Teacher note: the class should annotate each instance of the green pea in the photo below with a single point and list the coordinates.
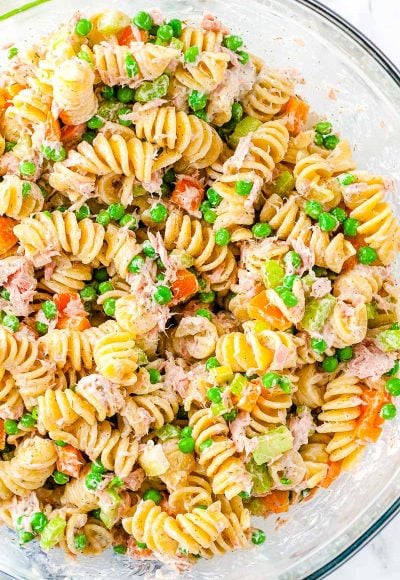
(169, 176)
(5, 294)
(132, 70)
(323, 127)
(293, 259)
(95, 122)
(135, 265)
(197, 100)
(27, 168)
(105, 287)
(128, 220)
(289, 281)
(388, 411)
(109, 111)
(119, 549)
(141, 545)
(89, 136)
(25, 537)
(191, 54)
(186, 432)
(93, 480)
(205, 445)
(330, 364)
(222, 237)
(60, 443)
(237, 112)
(243, 187)
(150, 90)
(350, 227)
(330, 141)
(214, 395)
(38, 522)
(285, 481)
(313, 208)
(107, 92)
(10, 321)
(327, 222)
(162, 295)
(155, 376)
(203, 312)
(54, 154)
(243, 56)
(82, 213)
(26, 189)
(116, 211)
(121, 112)
(103, 218)
(186, 445)
(49, 309)
(319, 345)
(176, 26)
(125, 94)
(143, 20)
(11, 427)
(201, 115)
(80, 541)
(285, 384)
(109, 306)
(287, 296)
(212, 363)
(258, 537)
(41, 327)
(83, 27)
(207, 297)
(393, 387)
(27, 421)
(88, 294)
(100, 275)
(339, 214)
(245, 495)
(148, 249)
(233, 42)
(231, 415)
(165, 32)
(210, 216)
(60, 478)
(347, 179)
(345, 353)
(205, 206)
(261, 230)
(394, 371)
(366, 255)
(159, 213)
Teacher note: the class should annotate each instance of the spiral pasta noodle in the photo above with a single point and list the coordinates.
(11, 404)
(19, 198)
(269, 95)
(205, 40)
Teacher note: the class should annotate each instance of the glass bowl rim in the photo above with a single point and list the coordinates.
(393, 71)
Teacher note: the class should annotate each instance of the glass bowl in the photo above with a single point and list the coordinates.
(351, 82)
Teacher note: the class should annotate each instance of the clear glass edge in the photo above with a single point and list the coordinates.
(394, 72)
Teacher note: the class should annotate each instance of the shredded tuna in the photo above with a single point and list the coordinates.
(175, 377)
(211, 22)
(135, 479)
(369, 361)
(171, 265)
(25, 507)
(9, 164)
(157, 16)
(321, 287)
(237, 159)
(300, 428)
(104, 391)
(306, 254)
(17, 276)
(154, 186)
(281, 355)
(238, 433)
(75, 308)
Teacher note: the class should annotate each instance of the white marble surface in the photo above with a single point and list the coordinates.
(379, 20)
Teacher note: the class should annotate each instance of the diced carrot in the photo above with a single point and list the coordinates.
(332, 473)
(76, 323)
(250, 396)
(276, 502)
(369, 423)
(7, 237)
(188, 193)
(126, 36)
(62, 300)
(70, 460)
(297, 112)
(52, 128)
(185, 285)
(259, 308)
(71, 134)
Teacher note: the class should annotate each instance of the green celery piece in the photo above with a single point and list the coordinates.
(317, 313)
(389, 340)
(150, 90)
(273, 443)
(273, 273)
(52, 533)
(262, 481)
(244, 127)
(109, 513)
(168, 431)
(238, 384)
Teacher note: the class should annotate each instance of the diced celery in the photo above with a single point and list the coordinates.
(112, 21)
(141, 357)
(389, 340)
(52, 533)
(222, 374)
(273, 443)
(109, 511)
(176, 43)
(245, 126)
(150, 90)
(273, 273)
(168, 431)
(372, 311)
(218, 409)
(317, 312)
(284, 183)
(256, 507)
(185, 258)
(138, 190)
(109, 111)
(238, 384)
(262, 481)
